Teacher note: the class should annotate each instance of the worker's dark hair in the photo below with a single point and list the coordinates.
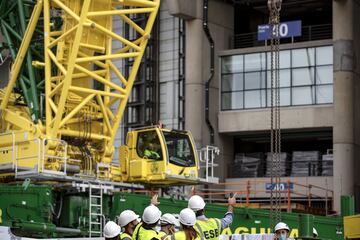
(199, 213)
(149, 226)
(190, 232)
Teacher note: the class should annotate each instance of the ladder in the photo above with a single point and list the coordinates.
(95, 210)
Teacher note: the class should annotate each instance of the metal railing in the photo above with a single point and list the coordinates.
(21, 154)
(309, 33)
(207, 157)
(250, 193)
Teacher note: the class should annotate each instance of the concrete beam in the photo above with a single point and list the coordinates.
(291, 118)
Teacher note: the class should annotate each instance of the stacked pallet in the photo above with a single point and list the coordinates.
(283, 166)
(327, 164)
(305, 163)
(246, 165)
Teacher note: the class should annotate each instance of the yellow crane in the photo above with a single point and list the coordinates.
(76, 133)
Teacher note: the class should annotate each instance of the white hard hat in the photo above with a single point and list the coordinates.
(111, 229)
(127, 217)
(196, 203)
(315, 233)
(281, 225)
(168, 218)
(187, 217)
(151, 214)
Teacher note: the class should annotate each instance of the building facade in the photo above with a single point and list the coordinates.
(319, 92)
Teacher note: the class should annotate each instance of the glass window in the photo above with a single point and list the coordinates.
(148, 145)
(324, 55)
(232, 64)
(324, 75)
(324, 94)
(232, 82)
(254, 80)
(285, 59)
(254, 62)
(306, 77)
(179, 149)
(302, 96)
(303, 76)
(255, 99)
(285, 78)
(303, 57)
(232, 100)
(284, 97)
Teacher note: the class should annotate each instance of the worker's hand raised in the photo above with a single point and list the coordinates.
(232, 200)
(154, 200)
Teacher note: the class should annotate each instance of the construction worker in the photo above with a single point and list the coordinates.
(146, 229)
(187, 220)
(111, 231)
(128, 220)
(315, 233)
(210, 228)
(152, 151)
(281, 231)
(167, 223)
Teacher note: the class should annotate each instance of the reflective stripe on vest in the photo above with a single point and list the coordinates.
(208, 229)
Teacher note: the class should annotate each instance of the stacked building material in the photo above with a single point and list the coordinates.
(246, 165)
(305, 163)
(327, 164)
(283, 166)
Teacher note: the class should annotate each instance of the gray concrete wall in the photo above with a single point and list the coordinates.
(168, 67)
(291, 118)
(343, 130)
(197, 73)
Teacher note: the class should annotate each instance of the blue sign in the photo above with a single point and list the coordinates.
(278, 187)
(285, 30)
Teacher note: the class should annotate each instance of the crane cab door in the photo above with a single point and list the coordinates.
(160, 156)
(146, 156)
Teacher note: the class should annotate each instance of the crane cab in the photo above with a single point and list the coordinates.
(159, 156)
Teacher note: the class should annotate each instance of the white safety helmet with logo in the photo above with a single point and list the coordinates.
(196, 203)
(168, 218)
(187, 217)
(151, 214)
(127, 217)
(111, 230)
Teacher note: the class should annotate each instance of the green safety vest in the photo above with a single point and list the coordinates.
(180, 236)
(125, 236)
(140, 233)
(209, 229)
(151, 154)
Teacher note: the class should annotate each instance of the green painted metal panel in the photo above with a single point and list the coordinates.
(33, 204)
(50, 208)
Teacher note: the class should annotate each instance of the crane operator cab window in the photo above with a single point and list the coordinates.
(148, 145)
(180, 149)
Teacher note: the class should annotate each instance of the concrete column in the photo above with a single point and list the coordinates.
(197, 73)
(343, 130)
(194, 85)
